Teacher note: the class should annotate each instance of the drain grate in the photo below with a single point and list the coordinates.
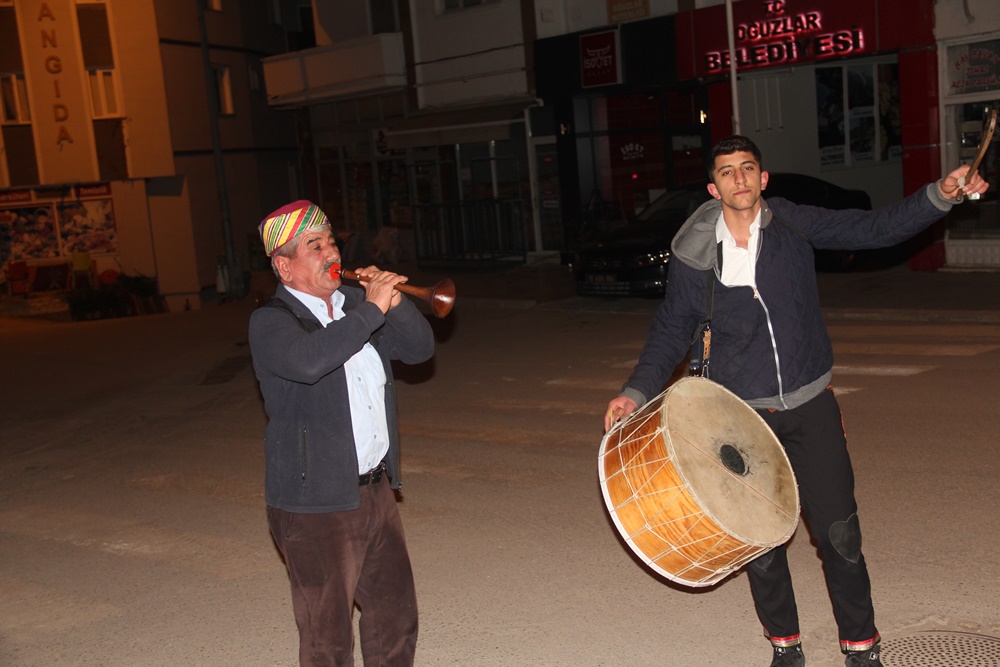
(942, 649)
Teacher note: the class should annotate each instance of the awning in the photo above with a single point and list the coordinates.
(456, 126)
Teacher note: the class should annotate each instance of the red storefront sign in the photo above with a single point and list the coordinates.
(600, 64)
(778, 33)
(95, 190)
(15, 196)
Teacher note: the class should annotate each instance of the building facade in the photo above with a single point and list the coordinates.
(968, 51)
(420, 118)
(138, 131)
(845, 91)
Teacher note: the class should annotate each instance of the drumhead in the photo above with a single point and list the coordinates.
(730, 461)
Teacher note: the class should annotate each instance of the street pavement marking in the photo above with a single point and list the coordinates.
(880, 370)
(914, 349)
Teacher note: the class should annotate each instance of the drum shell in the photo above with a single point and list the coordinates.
(672, 497)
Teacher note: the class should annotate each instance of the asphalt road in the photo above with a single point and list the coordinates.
(132, 529)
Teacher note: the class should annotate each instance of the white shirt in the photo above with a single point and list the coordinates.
(738, 264)
(365, 387)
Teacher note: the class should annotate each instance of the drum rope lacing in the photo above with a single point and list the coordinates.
(651, 519)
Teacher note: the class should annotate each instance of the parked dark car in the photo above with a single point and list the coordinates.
(631, 260)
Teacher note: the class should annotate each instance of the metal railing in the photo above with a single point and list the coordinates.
(473, 231)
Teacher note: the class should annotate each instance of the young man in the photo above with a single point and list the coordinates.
(322, 353)
(771, 348)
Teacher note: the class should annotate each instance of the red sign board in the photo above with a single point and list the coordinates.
(94, 190)
(600, 64)
(779, 33)
(15, 196)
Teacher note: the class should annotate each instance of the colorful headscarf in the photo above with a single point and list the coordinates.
(288, 222)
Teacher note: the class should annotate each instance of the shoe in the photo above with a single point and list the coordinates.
(788, 656)
(869, 658)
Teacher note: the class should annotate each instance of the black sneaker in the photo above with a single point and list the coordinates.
(789, 656)
(869, 658)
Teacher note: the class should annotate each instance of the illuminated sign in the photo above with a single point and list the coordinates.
(783, 37)
(63, 130)
(632, 151)
(599, 62)
(620, 11)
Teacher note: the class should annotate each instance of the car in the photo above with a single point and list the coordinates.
(631, 260)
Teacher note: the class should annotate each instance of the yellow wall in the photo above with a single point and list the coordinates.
(140, 71)
(170, 211)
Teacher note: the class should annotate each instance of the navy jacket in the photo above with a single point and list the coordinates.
(770, 349)
(310, 455)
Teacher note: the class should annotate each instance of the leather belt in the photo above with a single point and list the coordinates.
(372, 476)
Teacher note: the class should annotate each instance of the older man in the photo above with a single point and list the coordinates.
(321, 353)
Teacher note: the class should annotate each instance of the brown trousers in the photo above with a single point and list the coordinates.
(338, 559)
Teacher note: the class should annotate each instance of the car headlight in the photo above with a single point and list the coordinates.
(653, 258)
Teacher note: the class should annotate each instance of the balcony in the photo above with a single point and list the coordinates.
(354, 67)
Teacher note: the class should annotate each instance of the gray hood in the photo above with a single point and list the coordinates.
(695, 243)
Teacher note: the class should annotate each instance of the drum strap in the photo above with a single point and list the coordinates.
(701, 344)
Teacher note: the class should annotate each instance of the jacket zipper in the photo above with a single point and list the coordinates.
(770, 327)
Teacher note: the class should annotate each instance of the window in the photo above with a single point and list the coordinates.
(224, 88)
(858, 114)
(98, 58)
(274, 15)
(451, 5)
(383, 16)
(103, 93)
(14, 100)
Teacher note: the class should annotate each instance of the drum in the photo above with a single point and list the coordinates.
(697, 483)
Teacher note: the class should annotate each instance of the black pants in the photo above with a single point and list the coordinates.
(813, 436)
(337, 559)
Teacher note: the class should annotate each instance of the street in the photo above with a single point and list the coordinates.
(133, 528)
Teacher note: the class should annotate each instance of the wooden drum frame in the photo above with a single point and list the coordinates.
(697, 483)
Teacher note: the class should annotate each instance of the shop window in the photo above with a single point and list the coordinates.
(14, 99)
(858, 114)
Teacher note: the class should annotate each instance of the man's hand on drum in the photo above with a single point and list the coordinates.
(619, 408)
